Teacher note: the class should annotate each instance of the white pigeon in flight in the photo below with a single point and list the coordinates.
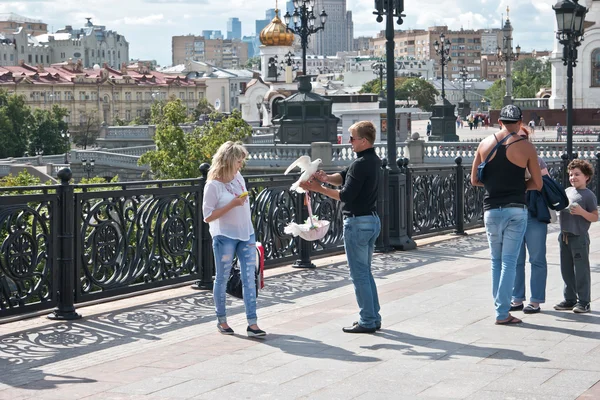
(307, 167)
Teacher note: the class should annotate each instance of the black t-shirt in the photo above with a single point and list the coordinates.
(361, 183)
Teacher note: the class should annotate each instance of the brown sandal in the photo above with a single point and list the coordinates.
(509, 321)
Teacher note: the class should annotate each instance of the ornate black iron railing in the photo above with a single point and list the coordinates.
(67, 244)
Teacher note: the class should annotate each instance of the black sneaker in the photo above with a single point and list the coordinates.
(581, 308)
(564, 305)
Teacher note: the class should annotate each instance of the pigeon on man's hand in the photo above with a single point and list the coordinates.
(307, 167)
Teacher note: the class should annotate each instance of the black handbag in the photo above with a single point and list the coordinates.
(234, 283)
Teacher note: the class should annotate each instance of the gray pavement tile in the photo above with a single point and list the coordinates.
(572, 378)
(129, 375)
(149, 385)
(509, 395)
(254, 391)
(522, 379)
(192, 388)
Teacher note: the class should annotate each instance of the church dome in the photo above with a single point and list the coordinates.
(276, 33)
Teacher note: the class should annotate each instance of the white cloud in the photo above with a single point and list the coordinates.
(147, 20)
(149, 26)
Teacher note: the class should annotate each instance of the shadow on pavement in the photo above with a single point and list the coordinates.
(444, 350)
(22, 351)
(301, 346)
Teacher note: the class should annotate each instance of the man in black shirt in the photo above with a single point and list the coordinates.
(359, 184)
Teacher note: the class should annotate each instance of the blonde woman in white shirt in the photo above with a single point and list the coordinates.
(227, 211)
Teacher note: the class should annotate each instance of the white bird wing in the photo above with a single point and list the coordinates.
(303, 162)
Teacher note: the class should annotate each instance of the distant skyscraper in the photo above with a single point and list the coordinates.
(212, 34)
(270, 14)
(234, 28)
(339, 28)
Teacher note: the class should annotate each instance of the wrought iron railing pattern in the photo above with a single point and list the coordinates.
(110, 239)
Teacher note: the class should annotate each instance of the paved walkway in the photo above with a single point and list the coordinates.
(438, 339)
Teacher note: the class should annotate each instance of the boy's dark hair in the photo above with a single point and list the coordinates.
(584, 166)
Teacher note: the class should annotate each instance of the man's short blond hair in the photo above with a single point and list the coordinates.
(364, 129)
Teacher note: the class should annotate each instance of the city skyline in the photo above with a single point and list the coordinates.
(148, 25)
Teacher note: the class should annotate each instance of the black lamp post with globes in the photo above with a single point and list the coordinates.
(304, 24)
(570, 16)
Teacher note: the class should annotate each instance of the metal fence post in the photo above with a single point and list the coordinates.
(565, 172)
(205, 256)
(459, 203)
(65, 309)
(409, 196)
(304, 246)
(382, 245)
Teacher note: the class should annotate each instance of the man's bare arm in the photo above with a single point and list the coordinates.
(535, 182)
(476, 162)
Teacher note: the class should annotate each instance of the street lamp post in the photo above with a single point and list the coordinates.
(570, 16)
(464, 107)
(394, 226)
(304, 24)
(506, 54)
(443, 120)
(442, 49)
(88, 166)
(379, 69)
(66, 137)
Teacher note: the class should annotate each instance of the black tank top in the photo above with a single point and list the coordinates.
(505, 181)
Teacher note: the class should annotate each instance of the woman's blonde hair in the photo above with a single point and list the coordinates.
(223, 162)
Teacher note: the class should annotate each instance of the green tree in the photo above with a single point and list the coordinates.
(253, 63)
(178, 155)
(495, 94)
(420, 90)
(46, 131)
(203, 108)
(529, 76)
(88, 129)
(16, 121)
(372, 86)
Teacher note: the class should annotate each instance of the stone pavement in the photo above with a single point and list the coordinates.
(438, 339)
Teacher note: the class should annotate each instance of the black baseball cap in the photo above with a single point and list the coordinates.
(510, 113)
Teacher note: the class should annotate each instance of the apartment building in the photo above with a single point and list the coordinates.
(222, 53)
(10, 22)
(418, 44)
(124, 93)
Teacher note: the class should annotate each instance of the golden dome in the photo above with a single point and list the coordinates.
(276, 33)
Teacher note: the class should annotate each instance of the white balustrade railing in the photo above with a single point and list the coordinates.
(132, 151)
(109, 159)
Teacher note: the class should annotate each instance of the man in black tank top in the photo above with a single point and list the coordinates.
(504, 202)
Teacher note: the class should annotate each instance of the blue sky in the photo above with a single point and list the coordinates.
(149, 25)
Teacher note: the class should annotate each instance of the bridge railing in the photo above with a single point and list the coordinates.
(90, 242)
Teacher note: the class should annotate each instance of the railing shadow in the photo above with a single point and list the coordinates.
(21, 352)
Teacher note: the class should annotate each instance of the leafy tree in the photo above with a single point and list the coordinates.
(119, 122)
(496, 94)
(203, 108)
(529, 76)
(374, 87)
(253, 63)
(178, 155)
(15, 123)
(420, 90)
(47, 129)
(88, 130)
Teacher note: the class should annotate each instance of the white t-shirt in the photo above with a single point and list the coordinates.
(236, 223)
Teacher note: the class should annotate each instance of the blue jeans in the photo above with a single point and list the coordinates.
(535, 240)
(224, 249)
(505, 228)
(360, 234)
